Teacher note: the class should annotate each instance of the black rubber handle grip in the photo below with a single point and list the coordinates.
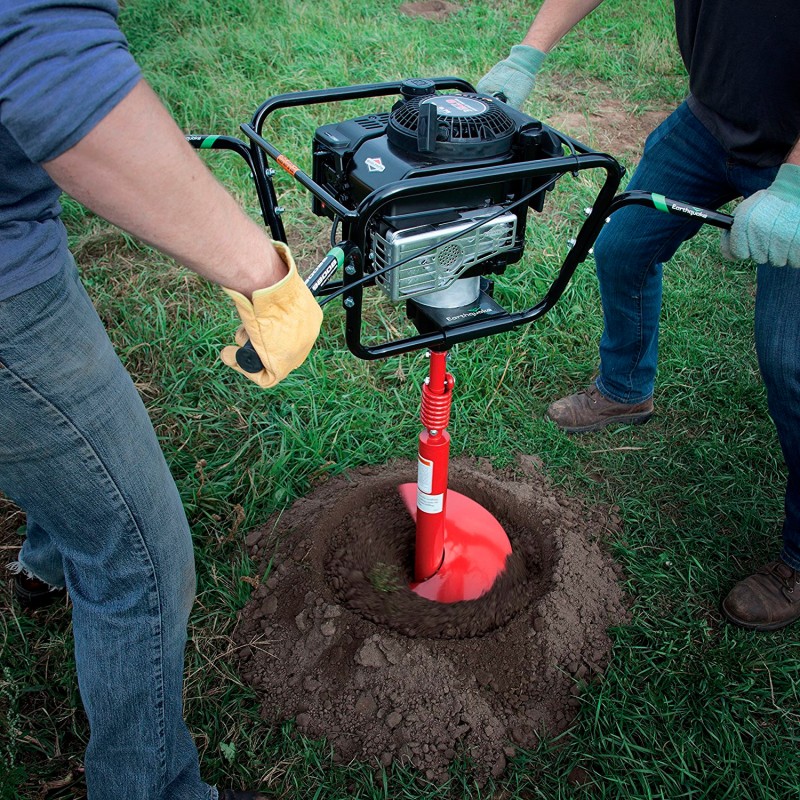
(248, 359)
(667, 205)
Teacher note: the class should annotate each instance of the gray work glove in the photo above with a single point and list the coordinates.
(515, 76)
(766, 226)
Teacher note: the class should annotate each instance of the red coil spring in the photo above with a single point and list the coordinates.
(435, 412)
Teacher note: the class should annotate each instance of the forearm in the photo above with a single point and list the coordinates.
(554, 19)
(136, 170)
(794, 154)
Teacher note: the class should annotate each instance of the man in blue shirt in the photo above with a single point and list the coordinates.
(735, 136)
(78, 452)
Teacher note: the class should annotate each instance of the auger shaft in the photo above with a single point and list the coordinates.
(432, 467)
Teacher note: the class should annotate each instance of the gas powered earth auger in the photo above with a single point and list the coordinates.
(427, 199)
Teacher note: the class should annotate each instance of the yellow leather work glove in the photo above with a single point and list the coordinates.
(282, 323)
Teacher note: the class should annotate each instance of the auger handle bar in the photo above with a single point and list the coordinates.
(356, 220)
(248, 359)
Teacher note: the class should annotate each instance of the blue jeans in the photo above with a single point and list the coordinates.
(78, 453)
(683, 161)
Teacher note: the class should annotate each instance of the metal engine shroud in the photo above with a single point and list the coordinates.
(427, 134)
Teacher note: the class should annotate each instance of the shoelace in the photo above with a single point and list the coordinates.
(789, 581)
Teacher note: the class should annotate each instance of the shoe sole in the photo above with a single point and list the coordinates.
(633, 419)
(750, 626)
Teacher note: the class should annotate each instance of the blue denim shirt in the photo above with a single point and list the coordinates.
(63, 67)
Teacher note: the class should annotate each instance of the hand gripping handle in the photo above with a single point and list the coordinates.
(246, 356)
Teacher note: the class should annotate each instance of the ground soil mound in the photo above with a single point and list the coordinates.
(335, 639)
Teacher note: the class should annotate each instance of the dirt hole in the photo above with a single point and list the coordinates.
(336, 640)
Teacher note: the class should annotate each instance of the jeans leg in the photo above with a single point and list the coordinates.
(681, 160)
(79, 454)
(39, 556)
(778, 347)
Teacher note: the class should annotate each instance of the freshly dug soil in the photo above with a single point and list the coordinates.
(336, 640)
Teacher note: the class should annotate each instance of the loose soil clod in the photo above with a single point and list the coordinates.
(337, 640)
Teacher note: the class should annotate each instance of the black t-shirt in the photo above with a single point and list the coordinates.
(743, 58)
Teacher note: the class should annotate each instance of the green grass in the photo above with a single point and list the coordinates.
(688, 707)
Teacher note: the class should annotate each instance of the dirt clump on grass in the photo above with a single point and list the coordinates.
(335, 639)
(430, 9)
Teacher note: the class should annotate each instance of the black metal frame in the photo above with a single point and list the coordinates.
(354, 221)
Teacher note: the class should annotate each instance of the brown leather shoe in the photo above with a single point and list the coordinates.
(589, 410)
(766, 601)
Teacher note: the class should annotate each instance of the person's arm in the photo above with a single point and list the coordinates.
(136, 169)
(554, 20)
(766, 226)
(514, 77)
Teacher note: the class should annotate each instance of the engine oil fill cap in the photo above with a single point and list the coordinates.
(417, 87)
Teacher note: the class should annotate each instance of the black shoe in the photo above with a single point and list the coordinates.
(233, 794)
(32, 593)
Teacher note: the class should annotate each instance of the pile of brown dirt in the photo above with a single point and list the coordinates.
(337, 640)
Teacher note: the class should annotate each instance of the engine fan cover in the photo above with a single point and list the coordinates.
(451, 127)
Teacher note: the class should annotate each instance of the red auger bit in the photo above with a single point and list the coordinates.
(460, 547)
